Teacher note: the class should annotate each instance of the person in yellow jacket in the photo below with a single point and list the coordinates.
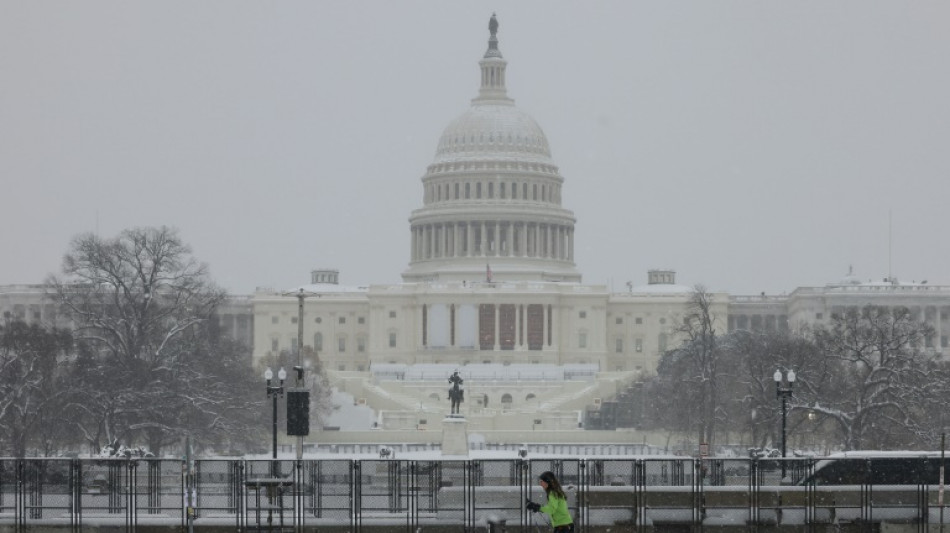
(556, 508)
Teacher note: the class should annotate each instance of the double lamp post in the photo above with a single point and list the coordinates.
(275, 392)
(783, 391)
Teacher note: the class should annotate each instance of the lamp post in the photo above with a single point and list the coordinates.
(784, 393)
(275, 392)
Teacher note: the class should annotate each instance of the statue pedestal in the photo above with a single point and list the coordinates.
(455, 435)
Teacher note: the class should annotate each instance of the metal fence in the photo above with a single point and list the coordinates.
(616, 494)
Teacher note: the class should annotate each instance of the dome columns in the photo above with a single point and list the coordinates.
(492, 239)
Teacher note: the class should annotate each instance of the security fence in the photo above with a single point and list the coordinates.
(615, 494)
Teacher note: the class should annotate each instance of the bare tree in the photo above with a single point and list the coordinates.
(31, 386)
(690, 374)
(758, 355)
(875, 391)
(151, 370)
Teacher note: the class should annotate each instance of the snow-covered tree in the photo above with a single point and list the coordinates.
(689, 376)
(877, 379)
(32, 387)
(152, 370)
(757, 355)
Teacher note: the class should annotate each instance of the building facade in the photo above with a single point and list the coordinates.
(491, 288)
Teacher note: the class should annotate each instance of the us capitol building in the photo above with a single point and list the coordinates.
(492, 290)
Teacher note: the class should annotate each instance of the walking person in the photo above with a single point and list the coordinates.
(556, 508)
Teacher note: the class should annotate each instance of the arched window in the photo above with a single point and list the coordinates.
(506, 401)
(529, 397)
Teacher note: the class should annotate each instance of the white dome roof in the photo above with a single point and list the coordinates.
(493, 130)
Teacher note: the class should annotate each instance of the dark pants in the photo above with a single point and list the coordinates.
(569, 528)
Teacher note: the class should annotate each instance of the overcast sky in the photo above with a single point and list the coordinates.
(750, 146)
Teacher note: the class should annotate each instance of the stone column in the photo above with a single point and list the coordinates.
(544, 325)
(470, 239)
(425, 241)
(570, 244)
(546, 241)
(518, 326)
(484, 241)
(444, 229)
(537, 240)
(497, 317)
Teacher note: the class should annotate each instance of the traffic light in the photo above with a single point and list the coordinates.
(298, 412)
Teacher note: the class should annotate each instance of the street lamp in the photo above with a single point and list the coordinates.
(275, 392)
(784, 393)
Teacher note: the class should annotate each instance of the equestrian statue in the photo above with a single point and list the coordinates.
(456, 394)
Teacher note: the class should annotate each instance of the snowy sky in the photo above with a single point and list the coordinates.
(751, 146)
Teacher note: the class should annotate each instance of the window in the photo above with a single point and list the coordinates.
(501, 190)
(342, 320)
(478, 190)
(318, 320)
(582, 314)
(392, 314)
(274, 345)
(638, 320)
(619, 347)
(293, 344)
(318, 342)
(361, 344)
(662, 321)
(638, 345)
(341, 368)
(341, 344)
(582, 340)
(619, 320)
(274, 319)
(491, 190)
(293, 320)
(392, 340)
(661, 342)
(361, 320)
(468, 190)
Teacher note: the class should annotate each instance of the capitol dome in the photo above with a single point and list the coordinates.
(492, 195)
(498, 129)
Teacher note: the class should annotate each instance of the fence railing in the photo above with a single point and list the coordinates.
(632, 494)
